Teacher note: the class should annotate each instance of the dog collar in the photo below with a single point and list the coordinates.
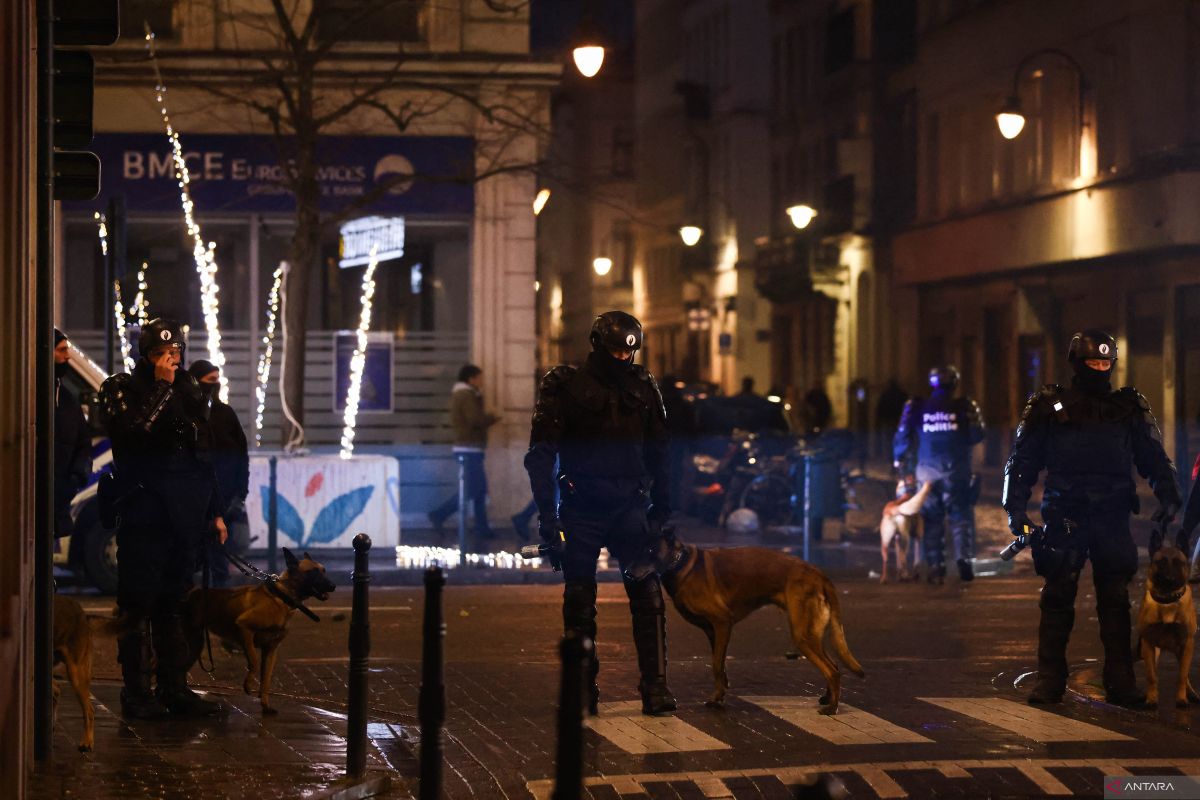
(273, 588)
(1173, 597)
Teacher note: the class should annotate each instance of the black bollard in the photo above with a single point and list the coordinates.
(462, 509)
(360, 648)
(273, 516)
(431, 703)
(568, 772)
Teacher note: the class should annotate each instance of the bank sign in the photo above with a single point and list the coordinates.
(231, 173)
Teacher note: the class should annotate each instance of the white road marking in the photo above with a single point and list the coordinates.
(878, 775)
(628, 728)
(849, 726)
(711, 786)
(1022, 719)
(1045, 781)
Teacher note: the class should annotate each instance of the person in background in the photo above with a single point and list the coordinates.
(471, 423)
(72, 441)
(231, 462)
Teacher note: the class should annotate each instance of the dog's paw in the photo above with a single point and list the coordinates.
(828, 711)
(84, 747)
(715, 702)
(1181, 703)
(269, 711)
(824, 699)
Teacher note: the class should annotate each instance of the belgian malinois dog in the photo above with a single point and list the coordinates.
(1167, 621)
(73, 632)
(255, 619)
(901, 526)
(716, 589)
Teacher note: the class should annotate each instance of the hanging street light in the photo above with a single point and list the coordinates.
(602, 266)
(539, 202)
(690, 234)
(1010, 119)
(588, 47)
(801, 215)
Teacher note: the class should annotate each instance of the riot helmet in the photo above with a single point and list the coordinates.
(1092, 345)
(616, 330)
(159, 332)
(944, 379)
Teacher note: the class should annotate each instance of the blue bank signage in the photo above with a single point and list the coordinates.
(232, 172)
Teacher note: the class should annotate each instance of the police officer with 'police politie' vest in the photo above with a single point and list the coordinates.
(934, 441)
(606, 425)
(1089, 438)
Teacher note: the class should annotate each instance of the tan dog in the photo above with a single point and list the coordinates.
(1167, 621)
(900, 526)
(73, 632)
(256, 619)
(716, 589)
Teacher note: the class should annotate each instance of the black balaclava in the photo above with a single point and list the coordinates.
(60, 370)
(199, 369)
(1091, 381)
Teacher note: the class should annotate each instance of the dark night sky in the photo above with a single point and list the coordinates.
(552, 22)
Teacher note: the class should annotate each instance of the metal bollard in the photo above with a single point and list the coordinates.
(568, 772)
(273, 517)
(462, 508)
(431, 702)
(360, 648)
(808, 468)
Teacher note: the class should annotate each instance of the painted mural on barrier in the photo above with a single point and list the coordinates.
(325, 500)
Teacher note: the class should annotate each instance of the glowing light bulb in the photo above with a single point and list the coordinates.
(801, 215)
(588, 60)
(602, 266)
(539, 202)
(690, 234)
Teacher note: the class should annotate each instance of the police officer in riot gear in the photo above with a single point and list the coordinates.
(162, 496)
(1088, 438)
(606, 425)
(934, 441)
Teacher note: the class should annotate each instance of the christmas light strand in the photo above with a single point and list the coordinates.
(102, 229)
(264, 358)
(204, 256)
(122, 330)
(359, 360)
(140, 306)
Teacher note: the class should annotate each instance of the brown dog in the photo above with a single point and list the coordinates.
(716, 589)
(1167, 621)
(900, 526)
(73, 631)
(255, 619)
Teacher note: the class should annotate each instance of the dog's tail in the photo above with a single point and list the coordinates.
(837, 634)
(106, 626)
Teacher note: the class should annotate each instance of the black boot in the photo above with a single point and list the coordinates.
(966, 572)
(137, 671)
(650, 639)
(1112, 608)
(174, 660)
(1054, 631)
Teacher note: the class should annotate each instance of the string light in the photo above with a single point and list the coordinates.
(140, 305)
(359, 360)
(122, 331)
(204, 256)
(264, 358)
(102, 225)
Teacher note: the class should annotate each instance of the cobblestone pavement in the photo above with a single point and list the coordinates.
(941, 713)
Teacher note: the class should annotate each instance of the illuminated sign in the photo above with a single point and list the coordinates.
(384, 235)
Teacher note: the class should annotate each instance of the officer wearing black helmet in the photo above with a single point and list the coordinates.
(162, 497)
(934, 442)
(605, 424)
(1089, 438)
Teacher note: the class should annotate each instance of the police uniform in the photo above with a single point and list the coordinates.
(934, 441)
(1089, 439)
(162, 496)
(606, 426)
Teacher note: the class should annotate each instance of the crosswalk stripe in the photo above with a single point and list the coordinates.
(1045, 781)
(711, 786)
(1021, 719)
(624, 725)
(883, 784)
(849, 726)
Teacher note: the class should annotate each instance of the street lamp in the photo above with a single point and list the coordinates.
(588, 48)
(801, 215)
(539, 202)
(602, 266)
(1010, 118)
(690, 234)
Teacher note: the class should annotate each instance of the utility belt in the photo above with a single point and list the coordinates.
(1061, 550)
(118, 485)
(602, 493)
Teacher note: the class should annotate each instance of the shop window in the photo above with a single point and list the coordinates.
(158, 14)
(370, 20)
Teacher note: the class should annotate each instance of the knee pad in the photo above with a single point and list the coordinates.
(645, 596)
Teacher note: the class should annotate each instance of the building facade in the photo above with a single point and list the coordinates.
(445, 92)
(1087, 218)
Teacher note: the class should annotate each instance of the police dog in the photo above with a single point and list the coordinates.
(255, 619)
(900, 525)
(1167, 621)
(73, 633)
(716, 589)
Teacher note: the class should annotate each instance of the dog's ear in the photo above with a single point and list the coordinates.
(307, 556)
(290, 560)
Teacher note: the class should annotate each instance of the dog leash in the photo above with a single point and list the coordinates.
(211, 669)
(270, 581)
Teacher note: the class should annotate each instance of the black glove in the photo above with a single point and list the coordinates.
(1020, 523)
(555, 538)
(1166, 513)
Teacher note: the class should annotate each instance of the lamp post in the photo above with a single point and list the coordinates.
(690, 234)
(801, 215)
(588, 47)
(1011, 119)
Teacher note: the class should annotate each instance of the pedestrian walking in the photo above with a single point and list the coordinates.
(1088, 438)
(230, 454)
(162, 495)
(933, 442)
(470, 422)
(72, 441)
(606, 424)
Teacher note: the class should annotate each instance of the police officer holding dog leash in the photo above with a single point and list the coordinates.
(162, 497)
(1089, 438)
(606, 425)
